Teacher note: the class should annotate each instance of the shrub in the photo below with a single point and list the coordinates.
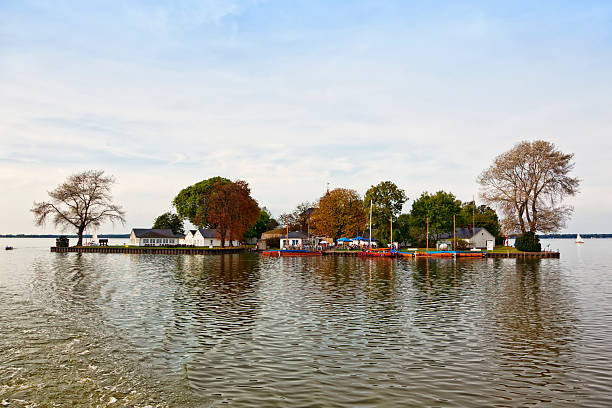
(528, 242)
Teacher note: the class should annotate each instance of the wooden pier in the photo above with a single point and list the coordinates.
(218, 251)
(525, 255)
(521, 255)
(149, 250)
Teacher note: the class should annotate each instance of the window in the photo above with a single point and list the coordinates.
(211, 242)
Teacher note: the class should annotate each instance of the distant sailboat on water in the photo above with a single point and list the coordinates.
(94, 238)
(579, 239)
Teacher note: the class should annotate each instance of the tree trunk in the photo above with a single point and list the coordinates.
(80, 232)
(222, 233)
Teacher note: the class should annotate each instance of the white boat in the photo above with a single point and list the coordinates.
(579, 239)
(94, 238)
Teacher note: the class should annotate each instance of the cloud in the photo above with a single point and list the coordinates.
(290, 96)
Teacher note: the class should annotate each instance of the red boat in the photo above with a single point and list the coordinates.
(291, 252)
(380, 252)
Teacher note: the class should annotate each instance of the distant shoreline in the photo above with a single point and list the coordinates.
(60, 235)
(542, 236)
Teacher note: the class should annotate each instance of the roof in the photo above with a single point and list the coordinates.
(154, 233)
(296, 234)
(209, 233)
(463, 233)
(282, 233)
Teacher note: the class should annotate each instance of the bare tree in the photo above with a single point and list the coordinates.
(528, 184)
(299, 219)
(83, 200)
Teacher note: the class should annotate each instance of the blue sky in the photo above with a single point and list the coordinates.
(291, 95)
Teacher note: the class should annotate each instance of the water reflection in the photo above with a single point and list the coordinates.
(247, 330)
(531, 324)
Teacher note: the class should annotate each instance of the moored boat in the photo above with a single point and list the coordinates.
(291, 252)
(8, 248)
(447, 254)
(379, 252)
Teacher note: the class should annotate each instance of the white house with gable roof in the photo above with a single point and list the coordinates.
(206, 237)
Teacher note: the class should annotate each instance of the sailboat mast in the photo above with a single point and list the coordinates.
(427, 249)
(454, 233)
(473, 210)
(391, 233)
(370, 236)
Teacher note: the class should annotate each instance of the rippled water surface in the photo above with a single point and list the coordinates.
(138, 330)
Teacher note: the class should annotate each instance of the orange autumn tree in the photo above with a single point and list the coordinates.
(232, 210)
(339, 213)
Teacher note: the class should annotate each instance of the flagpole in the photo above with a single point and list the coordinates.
(427, 249)
(287, 241)
(391, 222)
(473, 210)
(370, 236)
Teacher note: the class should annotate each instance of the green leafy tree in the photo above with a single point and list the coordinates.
(401, 229)
(192, 202)
(439, 208)
(483, 217)
(171, 221)
(264, 223)
(387, 201)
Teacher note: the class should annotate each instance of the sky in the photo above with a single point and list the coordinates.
(292, 95)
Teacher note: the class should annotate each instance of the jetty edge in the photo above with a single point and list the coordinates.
(238, 250)
(521, 255)
(149, 250)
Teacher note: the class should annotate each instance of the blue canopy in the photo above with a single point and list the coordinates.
(345, 240)
(362, 239)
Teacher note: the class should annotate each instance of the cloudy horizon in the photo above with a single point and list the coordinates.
(292, 96)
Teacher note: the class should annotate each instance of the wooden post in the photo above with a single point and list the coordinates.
(427, 236)
(391, 233)
(454, 236)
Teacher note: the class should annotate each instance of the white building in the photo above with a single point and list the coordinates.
(476, 237)
(295, 239)
(188, 238)
(153, 237)
(207, 237)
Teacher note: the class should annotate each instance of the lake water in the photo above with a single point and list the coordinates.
(181, 331)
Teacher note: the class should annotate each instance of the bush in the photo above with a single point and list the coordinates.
(528, 242)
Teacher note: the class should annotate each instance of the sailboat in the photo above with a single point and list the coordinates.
(94, 238)
(579, 239)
